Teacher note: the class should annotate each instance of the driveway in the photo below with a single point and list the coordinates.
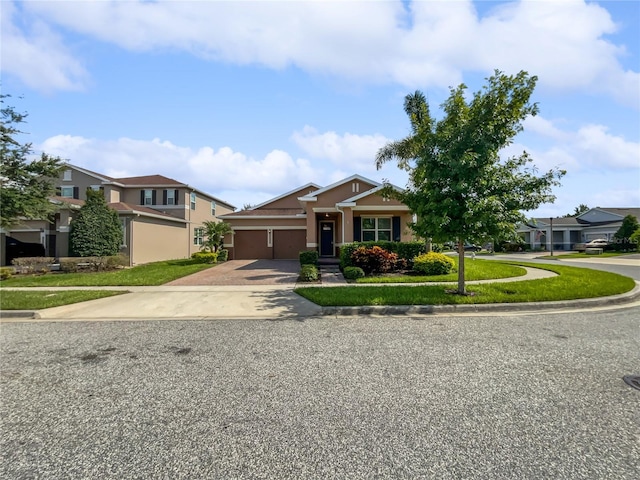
(245, 272)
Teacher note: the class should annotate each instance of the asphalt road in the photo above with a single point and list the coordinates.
(500, 396)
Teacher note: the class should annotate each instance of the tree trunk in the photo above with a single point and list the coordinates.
(461, 289)
(428, 244)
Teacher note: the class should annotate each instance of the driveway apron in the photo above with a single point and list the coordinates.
(245, 272)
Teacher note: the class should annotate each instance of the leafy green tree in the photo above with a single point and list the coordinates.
(635, 238)
(96, 230)
(26, 183)
(629, 226)
(458, 185)
(579, 210)
(214, 233)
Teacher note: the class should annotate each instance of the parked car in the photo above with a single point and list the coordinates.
(597, 243)
(16, 249)
(472, 247)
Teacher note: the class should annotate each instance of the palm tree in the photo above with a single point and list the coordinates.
(215, 232)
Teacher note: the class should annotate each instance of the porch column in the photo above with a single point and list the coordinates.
(312, 232)
(347, 226)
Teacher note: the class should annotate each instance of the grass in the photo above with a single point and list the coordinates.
(570, 284)
(157, 273)
(24, 300)
(474, 270)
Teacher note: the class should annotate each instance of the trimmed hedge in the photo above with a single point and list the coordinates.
(352, 273)
(205, 257)
(92, 264)
(309, 273)
(308, 257)
(433, 263)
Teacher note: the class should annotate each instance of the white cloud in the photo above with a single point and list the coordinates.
(428, 44)
(38, 56)
(348, 151)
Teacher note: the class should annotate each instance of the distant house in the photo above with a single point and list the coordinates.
(311, 217)
(161, 218)
(567, 231)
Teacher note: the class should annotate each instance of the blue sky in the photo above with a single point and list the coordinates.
(248, 100)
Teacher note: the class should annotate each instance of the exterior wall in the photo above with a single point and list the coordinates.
(113, 194)
(151, 241)
(81, 181)
(377, 200)
(341, 193)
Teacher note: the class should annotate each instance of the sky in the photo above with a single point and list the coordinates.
(249, 100)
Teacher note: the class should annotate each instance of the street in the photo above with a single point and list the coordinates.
(442, 396)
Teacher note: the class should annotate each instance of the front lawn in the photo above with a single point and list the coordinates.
(474, 270)
(570, 284)
(25, 300)
(157, 273)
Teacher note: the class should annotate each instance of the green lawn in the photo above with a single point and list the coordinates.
(474, 270)
(25, 300)
(570, 284)
(157, 273)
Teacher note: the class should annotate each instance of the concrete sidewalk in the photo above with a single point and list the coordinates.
(260, 301)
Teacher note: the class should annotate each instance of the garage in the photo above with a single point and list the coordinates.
(254, 244)
(287, 244)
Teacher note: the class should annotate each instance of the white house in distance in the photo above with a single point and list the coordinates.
(597, 222)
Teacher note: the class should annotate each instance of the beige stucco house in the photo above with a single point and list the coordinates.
(317, 218)
(162, 218)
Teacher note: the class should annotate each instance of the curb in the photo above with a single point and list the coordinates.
(623, 298)
(31, 314)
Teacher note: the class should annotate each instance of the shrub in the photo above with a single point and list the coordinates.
(92, 264)
(96, 230)
(6, 272)
(33, 264)
(223, 255)
(351, 273)
(205, 257)
(309, 273)
(374, 260)
(308, 257)
(433, 263)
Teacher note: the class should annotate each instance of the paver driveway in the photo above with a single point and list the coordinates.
(245, 272)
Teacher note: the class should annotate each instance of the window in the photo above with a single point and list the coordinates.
(355, 187)
(171, 197)
(66, 176)
(213, 208)
(198, 236)
(193, 200)
(147, 197)
(376, 229)
(124, 232)
(95, 188)
(66, 192)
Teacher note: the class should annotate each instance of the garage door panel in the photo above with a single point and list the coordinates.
(287, 244)
(250, 244)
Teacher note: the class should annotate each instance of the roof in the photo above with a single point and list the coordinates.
(265, 212)
(623, 212)
(124, 208)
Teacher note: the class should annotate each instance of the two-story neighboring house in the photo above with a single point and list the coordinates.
(162, 218)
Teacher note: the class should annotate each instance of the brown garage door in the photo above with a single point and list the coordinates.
(250, 244)
(287, 244)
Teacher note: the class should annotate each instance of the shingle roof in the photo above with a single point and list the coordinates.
(266, 212)
(122, 207)
(149, 180)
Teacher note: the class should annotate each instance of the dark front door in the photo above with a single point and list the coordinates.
(326, 239)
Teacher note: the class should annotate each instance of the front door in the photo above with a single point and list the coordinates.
(326, 239)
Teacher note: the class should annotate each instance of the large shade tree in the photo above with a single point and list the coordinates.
(459, 187)
(26, 182)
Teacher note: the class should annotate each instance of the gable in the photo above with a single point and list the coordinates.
(596, 215)
(343, 191)
(289, 199)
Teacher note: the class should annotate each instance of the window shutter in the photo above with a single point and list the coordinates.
(76, 192)
(357, 229)
(395, 232)
(175, 198)
(153, 197)
(141, 197)
(164, 197)
(58, 191)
